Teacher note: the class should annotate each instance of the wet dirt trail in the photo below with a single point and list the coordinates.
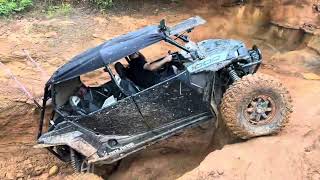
(290, 53)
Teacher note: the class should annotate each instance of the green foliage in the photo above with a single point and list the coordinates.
(60, 10)
(8, 7)
(102, 4)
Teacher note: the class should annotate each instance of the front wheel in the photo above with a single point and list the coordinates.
(256, 105)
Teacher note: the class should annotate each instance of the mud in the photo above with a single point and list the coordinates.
(286, 31)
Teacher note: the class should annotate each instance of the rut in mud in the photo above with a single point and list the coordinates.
(291, 49)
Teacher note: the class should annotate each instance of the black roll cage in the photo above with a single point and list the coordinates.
(43, 110)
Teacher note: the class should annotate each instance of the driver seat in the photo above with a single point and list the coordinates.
(126, 84)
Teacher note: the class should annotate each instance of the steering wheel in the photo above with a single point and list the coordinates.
(175, 56)
(177, 60)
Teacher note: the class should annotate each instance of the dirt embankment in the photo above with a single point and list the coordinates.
(291, 48)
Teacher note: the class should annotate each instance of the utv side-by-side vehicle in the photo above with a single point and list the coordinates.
(212, 78)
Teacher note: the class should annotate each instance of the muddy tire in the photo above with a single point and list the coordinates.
(79, 163)
(256, 105)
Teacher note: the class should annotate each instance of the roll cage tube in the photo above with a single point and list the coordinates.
(114, 79)
(43, 110)
(175, 43)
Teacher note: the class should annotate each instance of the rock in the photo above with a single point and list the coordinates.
(307, 149)
(29, 165)
(19, 175)
(220, 172)
(315, 176)
(9, 175)
(50, 34)
(43, 176)
(53, 170)
(314, 43)
(95, 35)
(38, 171)
(18, 54)
(28, 162)
(316, 7)
(310, 76)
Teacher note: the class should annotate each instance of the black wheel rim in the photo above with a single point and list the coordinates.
(86, 167)
(260, 110)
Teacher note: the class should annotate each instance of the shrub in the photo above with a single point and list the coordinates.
(8, 7)
(59, 10)
(102, 4)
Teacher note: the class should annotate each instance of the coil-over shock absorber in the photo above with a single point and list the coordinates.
(233, 74)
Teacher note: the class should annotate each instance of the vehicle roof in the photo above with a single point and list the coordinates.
(117, 48)
(107, 53)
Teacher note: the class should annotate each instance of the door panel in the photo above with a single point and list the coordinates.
(169, 101)
(122, 118)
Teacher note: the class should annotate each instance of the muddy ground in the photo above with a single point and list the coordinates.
(286, 31)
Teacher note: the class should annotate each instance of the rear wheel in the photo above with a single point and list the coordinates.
(256, 105)
(80, 163)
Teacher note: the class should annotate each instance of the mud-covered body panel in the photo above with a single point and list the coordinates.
(170, 101)
(122, 118)
(217, 53)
